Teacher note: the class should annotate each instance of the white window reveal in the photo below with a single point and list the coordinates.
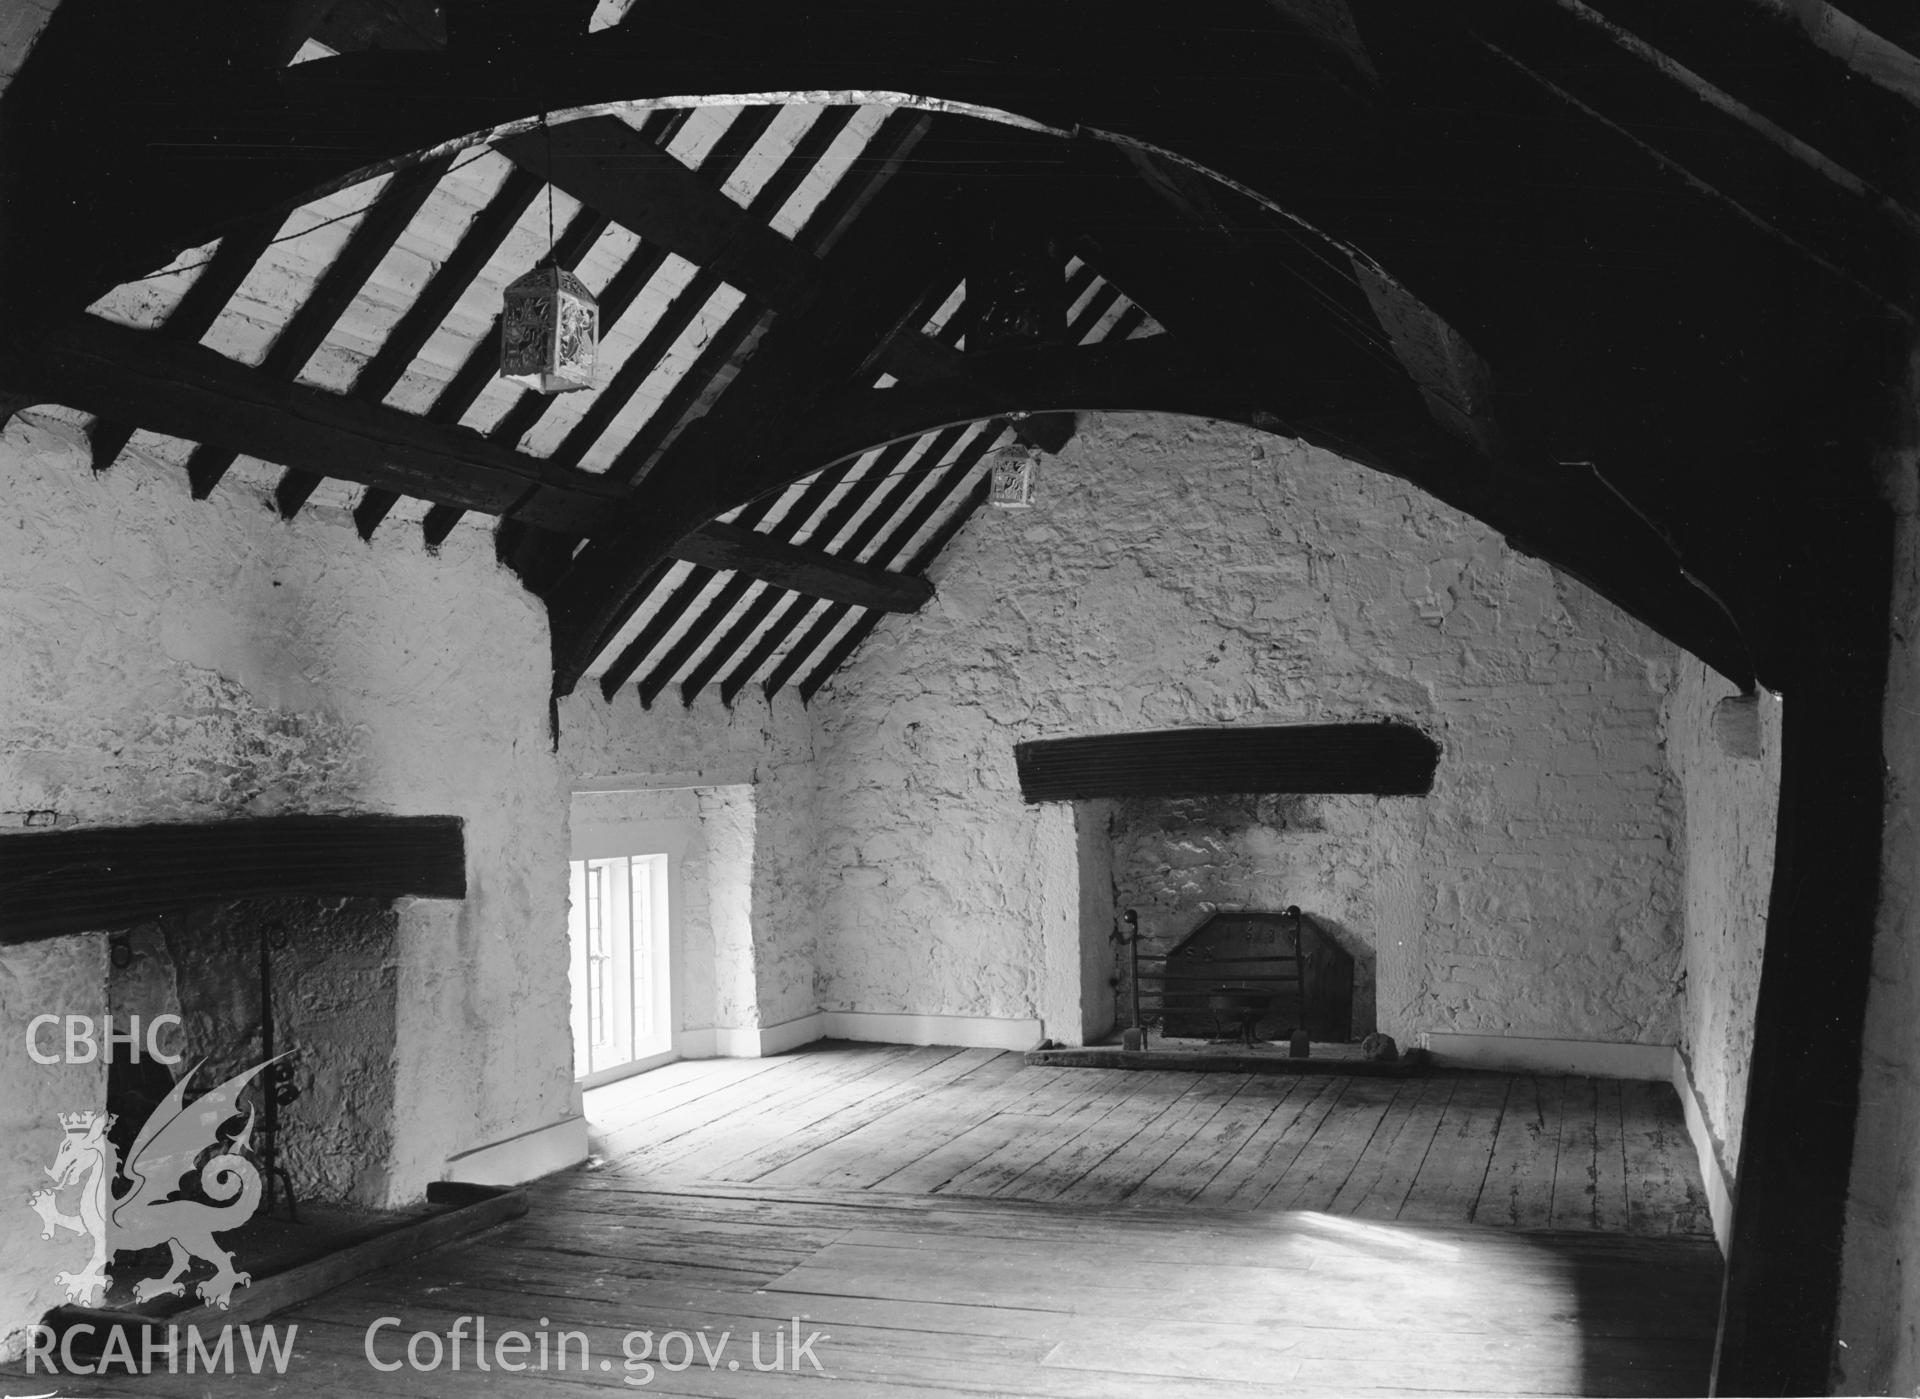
(617, 924)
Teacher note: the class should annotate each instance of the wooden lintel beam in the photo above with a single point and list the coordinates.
(802, 570)
(93, 879)
(607, 165)
(1381, 757)
(192, 392)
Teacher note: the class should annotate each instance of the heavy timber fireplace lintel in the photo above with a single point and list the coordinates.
(58, 882)
(1387, 758)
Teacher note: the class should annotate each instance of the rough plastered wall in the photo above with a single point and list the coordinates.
(60, 976)
(727, 819)
(765, 747)
(172, 660)
(1178, 859)
(1731, 808)
(1179, 572)
(20, 24)
(1879, 1320)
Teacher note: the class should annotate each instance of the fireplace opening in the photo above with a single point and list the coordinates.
(1254, 974)
(307, 981)
(1222, 869)
(313, 979)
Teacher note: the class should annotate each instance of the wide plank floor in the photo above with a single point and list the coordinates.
(896, 1221)
(1512, 1151)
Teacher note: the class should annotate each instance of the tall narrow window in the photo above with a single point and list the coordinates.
(617, 922)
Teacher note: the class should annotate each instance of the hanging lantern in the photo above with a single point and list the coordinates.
(1012, 487)
(549, 331)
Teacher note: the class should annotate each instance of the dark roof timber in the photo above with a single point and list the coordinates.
(1466, 322)
(392, 211)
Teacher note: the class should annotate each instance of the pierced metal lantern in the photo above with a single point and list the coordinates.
(549, 331)
(1012, 487)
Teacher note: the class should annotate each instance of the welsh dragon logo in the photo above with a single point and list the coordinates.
(146, 1213)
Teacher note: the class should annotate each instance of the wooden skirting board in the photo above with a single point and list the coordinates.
(1227, 1059)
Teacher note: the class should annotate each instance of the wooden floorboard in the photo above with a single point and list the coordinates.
(1380, 1182)
(952, 1222)
(1448, 1187)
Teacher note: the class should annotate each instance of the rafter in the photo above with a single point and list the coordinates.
(898, 133)
(898, 539)
(480, 366)
(369, 243)
(404, 342)
(198, 308)
(1538, 275)
(874, 276)
(583, 231)
(665, 615)
(625, 286)
(876, 495)
(793, 610)
(873, 487)
(815, 572)
(1156, 373)
(604, 163)
(191, 392)
(699, 631)
(1564, 514)
(1819, 209)
(793, 520)
(673, 322)
(1762, 58)
(612, 397)
(922, 560)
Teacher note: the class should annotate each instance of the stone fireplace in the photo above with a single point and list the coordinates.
(247, 940)
(326, 967)
(1179, 860)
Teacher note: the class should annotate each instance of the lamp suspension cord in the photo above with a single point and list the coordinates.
(547, 129)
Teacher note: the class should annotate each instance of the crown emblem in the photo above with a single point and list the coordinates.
(81, 1121)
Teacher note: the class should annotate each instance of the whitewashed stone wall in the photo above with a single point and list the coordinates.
(1732, 804)
(176, 660)
(1181, 572)
(768, 748)
(727, 817)
(20, 24)
(41, 978)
